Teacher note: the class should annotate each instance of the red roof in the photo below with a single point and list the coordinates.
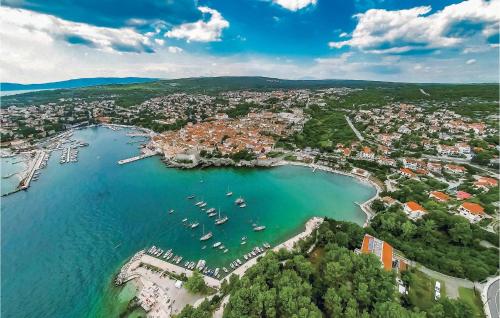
(462, 195)
(473, 208)
(440, 195)
(385, 255)
(414, 206)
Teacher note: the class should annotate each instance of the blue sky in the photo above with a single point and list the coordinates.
(394, 40)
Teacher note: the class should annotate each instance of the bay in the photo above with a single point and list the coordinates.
(65, 238)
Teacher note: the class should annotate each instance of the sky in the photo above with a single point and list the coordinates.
(387, 40)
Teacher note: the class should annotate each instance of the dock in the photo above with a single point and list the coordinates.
(129, 160)
(25, 182)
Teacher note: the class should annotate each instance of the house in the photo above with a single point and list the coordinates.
(439, 196)
(379, 248)
(366, 154)
(413, 210)
(471, 211)
(387, 161)
(455, 169)
(405, 172)
(410, 163)
(462, 195)
(463, 148)
(447, 150)
(485, 183)
(434, 167)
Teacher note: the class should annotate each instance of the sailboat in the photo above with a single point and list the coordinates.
(220, 220)
(205, 236)
(228, 193)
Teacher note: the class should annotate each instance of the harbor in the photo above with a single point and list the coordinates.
(126, 219)
(159, 274)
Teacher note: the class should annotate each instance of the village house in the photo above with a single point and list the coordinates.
(485, 183)
(384, 252)
(414, 210)
(405, 172)
(471, 211)
(455, 169)
(439, 196)
(366, 154)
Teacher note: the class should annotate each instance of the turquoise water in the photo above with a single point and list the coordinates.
(11, 165)
(64, 238)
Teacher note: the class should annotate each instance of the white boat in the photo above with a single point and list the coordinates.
(199, 203)
(207, 236)
(212, 214)
(171, 211)
(225, 270)
(243, 243)
(226, 250)
(211, 210)
(190, 197)
(259, 228)
(243, 205)
(216, 244)
(220, 220)
(195, 225)
(239, 201)
(229, 193)
(184, 220)
(204, 204)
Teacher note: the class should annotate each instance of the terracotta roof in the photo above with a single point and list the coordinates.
(414, 206)
(381, 249)
(407, 171)
(440, 195)
(473, 208)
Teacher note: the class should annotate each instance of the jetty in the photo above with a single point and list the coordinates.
(35, 165)
(129, 160)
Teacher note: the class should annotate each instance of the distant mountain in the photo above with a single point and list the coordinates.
(75, 83)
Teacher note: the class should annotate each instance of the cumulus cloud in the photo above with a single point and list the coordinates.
(470, 61)
(25, 23)
(418, 30)
(174, 49)
(201, 31)
(294, 5)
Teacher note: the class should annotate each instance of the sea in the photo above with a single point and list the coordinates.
(64, 239)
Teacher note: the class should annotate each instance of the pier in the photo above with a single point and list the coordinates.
(25, 182)
(147, 153)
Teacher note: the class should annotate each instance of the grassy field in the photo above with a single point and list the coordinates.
(474, 300)
(421, 292)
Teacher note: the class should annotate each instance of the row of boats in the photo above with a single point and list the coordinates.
(201, 265)
(69, 154)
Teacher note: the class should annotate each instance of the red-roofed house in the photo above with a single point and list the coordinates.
(380, 249)
(454, 169)
(366, 154)
(414, 210)
(405, 172)
(462, 195)
(485, 183)
(471, 211)
(439, 196)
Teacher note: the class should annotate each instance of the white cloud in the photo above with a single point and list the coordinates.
(383, 31)
(201, 31)
(174, 49)
(24, 23)
(470, 61)
(160, 41)
(294, 5)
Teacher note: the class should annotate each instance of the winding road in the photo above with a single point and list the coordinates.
(493, 295)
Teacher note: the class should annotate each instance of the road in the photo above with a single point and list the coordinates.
(463, 161)
(493, 295)
(452, 283)
(358, 134)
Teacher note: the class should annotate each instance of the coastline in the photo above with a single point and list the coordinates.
(365, 206)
